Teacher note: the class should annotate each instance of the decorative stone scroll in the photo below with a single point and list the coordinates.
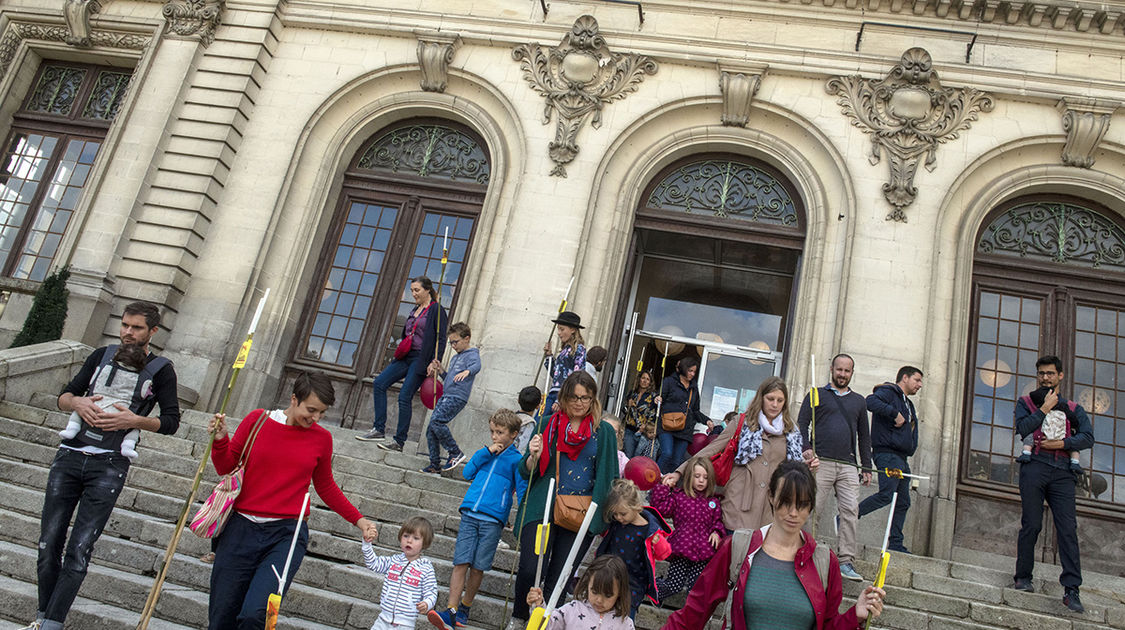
(739, 84)
(578, 78)
(1085, 122)
(435, 53)
(194, 18)
(908, 114)
(77, 14)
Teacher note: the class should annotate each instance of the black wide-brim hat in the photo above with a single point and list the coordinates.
(569, 318)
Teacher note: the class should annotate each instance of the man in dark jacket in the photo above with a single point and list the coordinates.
(841, 426)
(86, 478)
(894, 437)
(1047, 476)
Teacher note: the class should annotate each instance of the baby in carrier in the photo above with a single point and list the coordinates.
(116, 382)
(1056, 426)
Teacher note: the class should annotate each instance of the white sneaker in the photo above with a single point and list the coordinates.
(34, 625)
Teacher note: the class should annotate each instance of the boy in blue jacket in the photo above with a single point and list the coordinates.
(484, 511)
(463, 369)
(894, 437)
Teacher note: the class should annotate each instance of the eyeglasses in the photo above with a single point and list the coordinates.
(581, 399)
(1043, 373)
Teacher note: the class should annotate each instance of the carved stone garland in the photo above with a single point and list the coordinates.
(908, 114)
(578, 78)
(194, 18)
(1085, 122)
(435, 53)
(17, 32)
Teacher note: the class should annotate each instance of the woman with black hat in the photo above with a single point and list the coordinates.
(571, 355)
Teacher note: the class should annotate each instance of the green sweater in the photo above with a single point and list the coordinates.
(607, 470)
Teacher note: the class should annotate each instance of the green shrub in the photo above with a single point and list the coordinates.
(48, 311)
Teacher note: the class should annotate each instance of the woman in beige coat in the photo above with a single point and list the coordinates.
(769, 436)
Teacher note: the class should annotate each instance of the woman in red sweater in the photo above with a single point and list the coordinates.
(290, 450)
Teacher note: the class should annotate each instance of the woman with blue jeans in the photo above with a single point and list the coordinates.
(678, 393)
(425, 329)
(283, 451)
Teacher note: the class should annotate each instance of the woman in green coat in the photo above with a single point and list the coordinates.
(577, 448)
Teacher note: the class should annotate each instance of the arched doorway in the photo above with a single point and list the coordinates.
(1048, 278)
(405, 190)
(717, 248)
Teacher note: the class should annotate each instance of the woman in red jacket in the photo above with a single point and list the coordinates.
(290, 450)
(778, 584)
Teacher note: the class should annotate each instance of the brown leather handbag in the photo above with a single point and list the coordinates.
(570, 509)
(674, 421)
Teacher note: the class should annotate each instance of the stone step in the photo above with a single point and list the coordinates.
(922, 592)
(18, 601)
(336, 606)
(142, 551)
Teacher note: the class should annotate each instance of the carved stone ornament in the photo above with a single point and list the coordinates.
(17, 32)
(435, 53)
(77, 14)
(1085, 122)
(738, 85)
(194, 18)
(908, 114)
(578, 78)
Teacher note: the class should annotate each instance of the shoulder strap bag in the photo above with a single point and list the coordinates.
(212, 517)
(570, 509)
(674, 421)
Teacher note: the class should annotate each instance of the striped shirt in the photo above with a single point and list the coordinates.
(406, 584)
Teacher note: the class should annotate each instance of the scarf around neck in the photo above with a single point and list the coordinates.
(750, 440)
(566, 441)
(773, 427)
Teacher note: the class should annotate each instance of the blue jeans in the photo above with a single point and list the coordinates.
(398, 370)
(888, 486)
(673, 452)
(630, 442)
(91, 483)
(438, 435)
(242, 578)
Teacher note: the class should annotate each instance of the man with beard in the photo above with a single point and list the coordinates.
(89, 470)
(1048, 476)
(841, 425)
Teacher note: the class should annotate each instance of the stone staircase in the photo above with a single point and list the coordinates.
(333, 590)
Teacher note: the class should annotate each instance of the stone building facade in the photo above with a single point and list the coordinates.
(936, 183)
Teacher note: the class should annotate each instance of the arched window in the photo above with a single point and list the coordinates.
(717, 249)
(1049, 278)
(408, 189)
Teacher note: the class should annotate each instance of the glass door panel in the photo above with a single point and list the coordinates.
(729, 379)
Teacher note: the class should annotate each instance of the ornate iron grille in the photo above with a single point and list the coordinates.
(726, 189)
(1057, 232)
(107, 95)
(56, 90)
(429, 151)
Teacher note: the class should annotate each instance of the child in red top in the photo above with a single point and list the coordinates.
(697, 516)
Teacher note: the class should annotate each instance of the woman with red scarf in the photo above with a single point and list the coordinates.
(578, 449)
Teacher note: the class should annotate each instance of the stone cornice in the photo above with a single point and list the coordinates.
(1105, 18)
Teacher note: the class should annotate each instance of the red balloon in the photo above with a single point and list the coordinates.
(698, 441)
(642, 471)
(430, 391)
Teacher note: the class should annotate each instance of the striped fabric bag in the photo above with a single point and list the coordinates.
(212, 517)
